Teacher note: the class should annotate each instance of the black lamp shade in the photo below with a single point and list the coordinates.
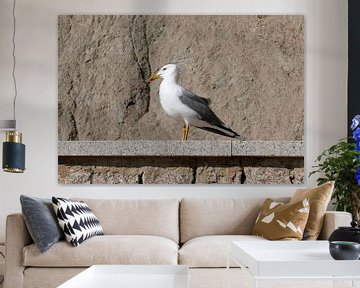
(13, 157)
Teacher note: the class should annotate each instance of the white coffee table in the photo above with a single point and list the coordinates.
(131, 276)
(293, 260)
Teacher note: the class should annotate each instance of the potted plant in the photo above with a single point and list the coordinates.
(341, 163)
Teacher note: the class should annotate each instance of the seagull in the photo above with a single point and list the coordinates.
(181, 104)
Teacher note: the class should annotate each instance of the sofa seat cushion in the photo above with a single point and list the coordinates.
(211, 251)
(107, 249)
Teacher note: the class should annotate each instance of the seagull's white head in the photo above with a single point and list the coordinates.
(169, 71)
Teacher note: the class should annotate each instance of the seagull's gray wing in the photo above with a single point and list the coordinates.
(211, 122)
(201, 106)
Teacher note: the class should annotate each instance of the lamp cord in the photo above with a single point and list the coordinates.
(14, 60)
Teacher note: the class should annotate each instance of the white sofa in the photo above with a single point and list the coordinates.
(194, 232)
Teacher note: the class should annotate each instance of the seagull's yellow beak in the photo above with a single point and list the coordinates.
(153, 77)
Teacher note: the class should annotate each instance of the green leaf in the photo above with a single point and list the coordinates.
(338, 163)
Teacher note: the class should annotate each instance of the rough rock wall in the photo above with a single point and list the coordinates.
(251, 67)
(180, 170)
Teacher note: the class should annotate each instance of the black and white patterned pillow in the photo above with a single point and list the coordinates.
(77, 220)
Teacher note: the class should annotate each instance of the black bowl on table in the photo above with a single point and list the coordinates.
(344, 250)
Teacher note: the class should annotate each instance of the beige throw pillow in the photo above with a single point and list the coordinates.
(319, 198)
(279, 221)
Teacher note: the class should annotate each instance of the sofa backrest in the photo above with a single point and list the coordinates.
(200, 217)
(159, 217)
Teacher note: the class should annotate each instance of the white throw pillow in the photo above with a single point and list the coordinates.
(77, 220)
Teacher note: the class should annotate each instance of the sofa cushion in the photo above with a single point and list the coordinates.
(211, 251)
(35, 277)
(201, 217)
(137, 217)
(77, 220)
(279, 221)
(319, 198)
(41, 221)
(107, 249)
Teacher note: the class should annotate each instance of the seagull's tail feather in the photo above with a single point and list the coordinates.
(239, 137)
(224, 131)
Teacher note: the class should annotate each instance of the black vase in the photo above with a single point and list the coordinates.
(343, 250)
(350, 234)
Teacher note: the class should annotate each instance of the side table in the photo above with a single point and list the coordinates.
(292, 264)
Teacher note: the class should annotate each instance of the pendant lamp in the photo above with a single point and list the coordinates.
(13, 160)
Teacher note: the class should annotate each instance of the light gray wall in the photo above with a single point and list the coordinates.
(325, 83)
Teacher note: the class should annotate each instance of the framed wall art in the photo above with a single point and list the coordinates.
(174, 99)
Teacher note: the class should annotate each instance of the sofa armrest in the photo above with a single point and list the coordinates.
(17, 237)
(333, 220)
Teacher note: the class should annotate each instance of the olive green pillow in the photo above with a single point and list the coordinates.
(279, 221)
(319, 198)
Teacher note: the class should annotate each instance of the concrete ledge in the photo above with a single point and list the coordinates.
(180, 148)
(268, 148)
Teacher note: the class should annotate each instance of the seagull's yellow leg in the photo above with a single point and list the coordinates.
(187, 129)
(183, 133)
